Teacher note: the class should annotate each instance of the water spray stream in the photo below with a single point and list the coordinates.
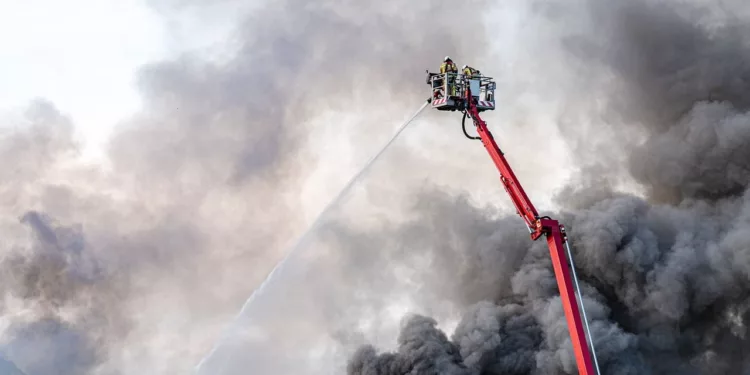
(259, 291)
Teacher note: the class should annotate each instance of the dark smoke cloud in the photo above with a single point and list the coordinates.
(664, 277)
(519, 328)
(498, 339)
(423, 349)
(680, 80)
(72, 305)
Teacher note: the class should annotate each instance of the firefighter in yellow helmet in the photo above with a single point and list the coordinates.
(470, 72)
(449, 67)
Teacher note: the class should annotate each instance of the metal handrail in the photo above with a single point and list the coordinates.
(460, 81)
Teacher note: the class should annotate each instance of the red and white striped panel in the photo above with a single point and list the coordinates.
(440, 101)
(486, 104)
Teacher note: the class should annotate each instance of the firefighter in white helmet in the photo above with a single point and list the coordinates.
(448, 67)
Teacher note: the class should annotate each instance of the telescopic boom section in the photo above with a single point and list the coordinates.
(556, 239)
(523, 204)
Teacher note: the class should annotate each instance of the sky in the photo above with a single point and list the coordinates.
(83, 61)
(83, 56)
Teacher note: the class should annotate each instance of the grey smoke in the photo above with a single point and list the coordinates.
(51, 347)
(665, 278)
(117, 265)
(207, 167)
(498, 339)
(8, 368)
(423, 349)
(53, 277)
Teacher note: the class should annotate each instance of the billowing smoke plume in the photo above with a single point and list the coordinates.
(136, 268)
(665, 277)
(423, 349)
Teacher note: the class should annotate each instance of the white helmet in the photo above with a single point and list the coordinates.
(465, 66)
(447, 58)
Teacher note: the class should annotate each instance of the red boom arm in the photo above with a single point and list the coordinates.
(556, 239)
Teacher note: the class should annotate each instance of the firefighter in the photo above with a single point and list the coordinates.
(448, 67)
(470, 72)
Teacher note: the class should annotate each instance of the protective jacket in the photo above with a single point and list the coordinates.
(471, 72)
(448, 67)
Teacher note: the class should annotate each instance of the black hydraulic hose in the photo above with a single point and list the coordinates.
(463, 127)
